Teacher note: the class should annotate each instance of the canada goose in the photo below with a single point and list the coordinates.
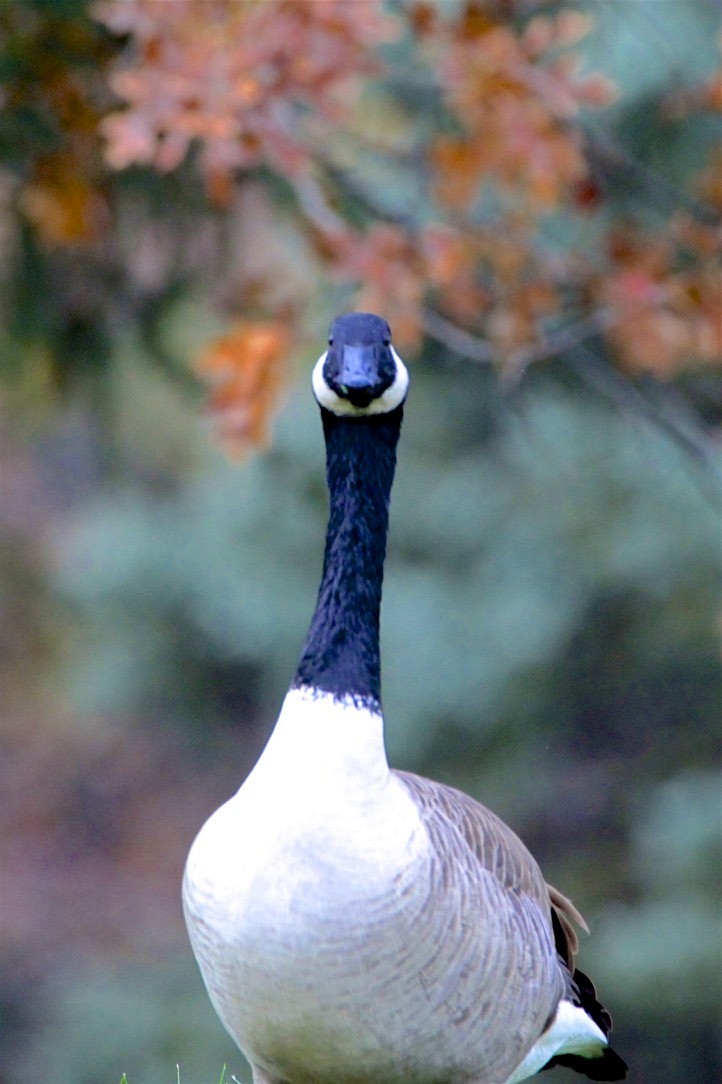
(354, 924)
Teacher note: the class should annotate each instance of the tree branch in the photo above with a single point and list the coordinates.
(556, 342)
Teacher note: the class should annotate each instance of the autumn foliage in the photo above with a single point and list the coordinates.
(477, 110)
(244, 371)
(238, 78)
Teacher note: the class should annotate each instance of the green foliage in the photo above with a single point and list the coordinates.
(145, 1018)
(498, 555)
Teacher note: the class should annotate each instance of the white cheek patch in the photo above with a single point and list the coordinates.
(388, 401)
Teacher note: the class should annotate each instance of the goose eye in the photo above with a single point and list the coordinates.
(387, 341)
(330, 340)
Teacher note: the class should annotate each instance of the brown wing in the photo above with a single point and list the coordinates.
(485, 840)
(564, 918)
(499, 850)
(490, 842)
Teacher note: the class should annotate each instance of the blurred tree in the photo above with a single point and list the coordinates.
(491, 146)
(445, 160)
(530, 191)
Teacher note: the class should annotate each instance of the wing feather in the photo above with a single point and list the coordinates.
(492, 845)
(479, 839)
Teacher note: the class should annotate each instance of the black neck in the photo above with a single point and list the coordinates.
(341, 653)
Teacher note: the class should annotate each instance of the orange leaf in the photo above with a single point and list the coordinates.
(475, 21)
(459, 166)
(62, 204)
(422, 17)
(245, 371)
(709, 181)
(229, 75)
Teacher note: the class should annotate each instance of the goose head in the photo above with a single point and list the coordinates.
(360, 373)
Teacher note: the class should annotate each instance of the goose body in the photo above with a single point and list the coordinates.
(354, 924)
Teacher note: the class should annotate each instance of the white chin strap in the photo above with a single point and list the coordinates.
(386, 402)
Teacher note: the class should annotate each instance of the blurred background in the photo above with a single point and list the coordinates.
(531, 193)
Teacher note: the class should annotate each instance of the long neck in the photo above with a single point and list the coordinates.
(341, 653)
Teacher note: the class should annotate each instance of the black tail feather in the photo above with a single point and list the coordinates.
(608, 1065)
(586, 996)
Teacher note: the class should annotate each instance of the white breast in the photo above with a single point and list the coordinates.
(334, 946)
(292, 888)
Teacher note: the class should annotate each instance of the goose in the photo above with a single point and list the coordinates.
(354, 924)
